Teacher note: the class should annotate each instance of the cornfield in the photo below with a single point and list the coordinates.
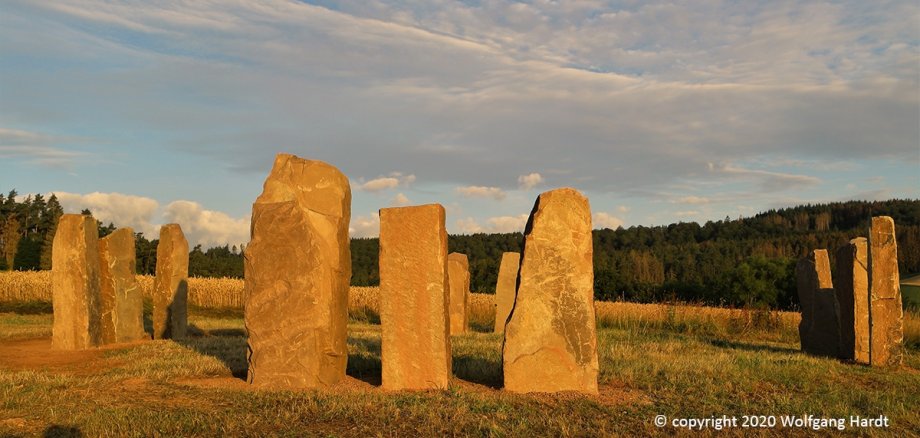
(216, 293)
(363, 302)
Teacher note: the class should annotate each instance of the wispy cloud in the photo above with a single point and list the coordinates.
(770, 181)
(35, 148)
(624, 97)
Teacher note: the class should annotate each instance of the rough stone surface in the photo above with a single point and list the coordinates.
(121, 300)
(886, 315)
(851, 283)
(415, 337)
(819, 330)
(550, 340)
(75, 284)
(505, 288)
(170, 287)
(297, 269)
(458, 269)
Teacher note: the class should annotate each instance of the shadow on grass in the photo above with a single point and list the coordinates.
(57, 431)
(365, 363)
(482, 326)
(721, 343)
(26, 307)
(227, 345)
(478, 369)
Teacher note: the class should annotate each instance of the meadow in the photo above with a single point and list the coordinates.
(676, 360)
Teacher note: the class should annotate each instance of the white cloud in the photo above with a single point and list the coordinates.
(400, 200)
(365, 226)
(687, 213)
(529, 181)
(623, 209)
(395, 179)
(606, 220)
(496, 224)
(378, 184)
(120, 209)
(201, 226)
(206, 227)
(508, 224)
(468, 226)
(481, 192)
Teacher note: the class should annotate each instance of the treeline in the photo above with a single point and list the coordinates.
(744, 261)
(27, 230)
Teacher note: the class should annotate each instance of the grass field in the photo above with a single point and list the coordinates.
(678, 366)
(679, 361)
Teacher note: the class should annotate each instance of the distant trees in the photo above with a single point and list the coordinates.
(746, 261)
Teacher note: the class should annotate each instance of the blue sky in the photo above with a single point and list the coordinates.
(155, 112)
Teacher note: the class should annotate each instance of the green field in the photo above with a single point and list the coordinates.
(189, 388)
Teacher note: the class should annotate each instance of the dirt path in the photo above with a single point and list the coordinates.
(31, 354)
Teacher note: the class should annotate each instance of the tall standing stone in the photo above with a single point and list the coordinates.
(819, 329)
(851, 283)
(886, 315)
(121, 298)
(505, 288)
(550, 340)
(298, 270)
(170, 287)
(75, 284)
(458, 268)
(415, 334)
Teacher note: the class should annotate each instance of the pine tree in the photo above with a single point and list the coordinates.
(11, 238)
(53, 213)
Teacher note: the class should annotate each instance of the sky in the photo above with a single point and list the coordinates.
(660, 112)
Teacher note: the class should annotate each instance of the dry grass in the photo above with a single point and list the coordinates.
(186, 388)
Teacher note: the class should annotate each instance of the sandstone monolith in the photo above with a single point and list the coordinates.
(75, 283)
(886, 314)
(505, 288)
(458, 273)
(414, 325)
(298, 269)
(170, 287)
(550, 340)
(121, 299)
(819, 329)
(851, 284)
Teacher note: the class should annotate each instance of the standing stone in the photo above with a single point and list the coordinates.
(75, 283)
(170, 287)
(298, 269)
(550, 340)
(886, 315)
(121, 298)
(505, 288)
(415, 334)
(819, 329)
(458, 268)
(851, 282)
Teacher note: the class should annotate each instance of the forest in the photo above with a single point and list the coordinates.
(735, 262)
